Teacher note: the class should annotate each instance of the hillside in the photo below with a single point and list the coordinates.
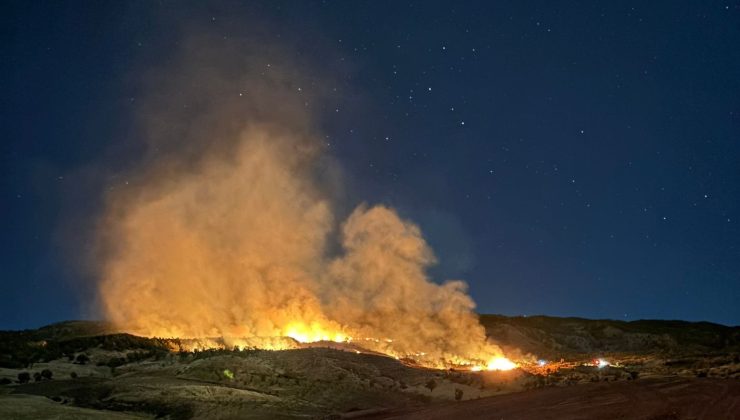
(568, 337)
(85, 369)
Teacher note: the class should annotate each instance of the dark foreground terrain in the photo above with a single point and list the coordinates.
(656, 399)
(657, 370)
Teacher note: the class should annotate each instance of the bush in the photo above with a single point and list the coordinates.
(82, 359)
(24, 377)
(458, 394)
(73, 375)
(37, 377)
(46, 374)
(113, 362)
(431, 384)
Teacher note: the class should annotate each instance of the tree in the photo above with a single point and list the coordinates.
(82, 359)
(46, 374)
(431, 384)
(37, 377)
(24, 377)
(458, 394)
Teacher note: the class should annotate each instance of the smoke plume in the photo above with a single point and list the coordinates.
(225, 226)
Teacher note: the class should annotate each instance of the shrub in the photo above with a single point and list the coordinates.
(73, 375)
(82, 359)
(431, 384)
(458, 394)
(46, 374)
(114, 362)
(37, 377)
(24, 377)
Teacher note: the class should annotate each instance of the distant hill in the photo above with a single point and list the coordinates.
(565, 337)
(65, 339)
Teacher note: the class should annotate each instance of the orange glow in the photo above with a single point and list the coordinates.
(495, 363)
(312, 333)
(501, 363)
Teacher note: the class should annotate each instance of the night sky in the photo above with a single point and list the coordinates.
(563, 158)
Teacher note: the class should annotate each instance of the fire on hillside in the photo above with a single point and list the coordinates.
(299, 336)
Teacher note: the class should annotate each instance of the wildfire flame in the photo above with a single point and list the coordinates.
(313, 333)
(501, 363)
(297, 334)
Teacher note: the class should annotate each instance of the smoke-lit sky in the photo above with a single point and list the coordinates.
(570, 159)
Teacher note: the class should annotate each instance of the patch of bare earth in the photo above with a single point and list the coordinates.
(650, 399)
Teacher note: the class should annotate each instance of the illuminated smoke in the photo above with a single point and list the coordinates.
(379, 287)
(224, 226)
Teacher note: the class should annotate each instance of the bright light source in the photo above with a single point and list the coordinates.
(501, 363)
(601, 363)
(542, 362)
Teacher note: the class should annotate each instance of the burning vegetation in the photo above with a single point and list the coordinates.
(227, 233)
